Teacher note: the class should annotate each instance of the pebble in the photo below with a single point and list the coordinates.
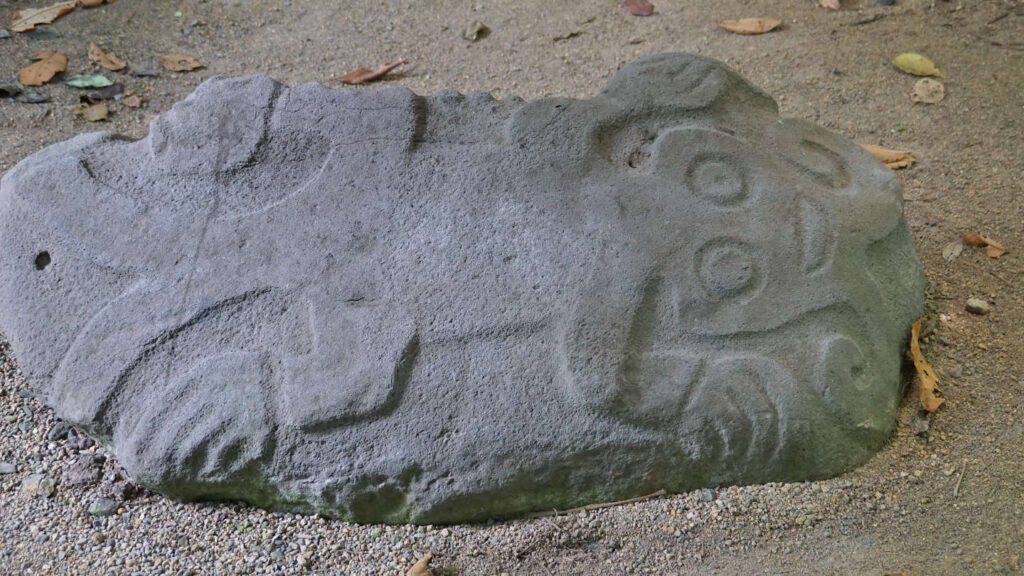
(7, 468)
(103, 507)
(978, 306)
(58, 431)
(5, 34)
(886, 2)
(84, 469)
(38, 485)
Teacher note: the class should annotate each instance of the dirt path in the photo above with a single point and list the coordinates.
(914, 507)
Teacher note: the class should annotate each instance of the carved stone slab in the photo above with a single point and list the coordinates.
(392, 307)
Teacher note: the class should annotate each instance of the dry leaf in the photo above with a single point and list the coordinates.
(105, 59)
(892, 158)
(47, 64)
(976, 239)
(420, 567)
(360, 75)
(830, 4)
(927, 380)
(179, 62)
(93, 112)
(750, 25)
(916, 64)
(94, 3)
(639, 7)
(132, 101)
(112, 92)
(994, 250)
(972, 238)
(928, 91)
(27, 19)
(952, 250)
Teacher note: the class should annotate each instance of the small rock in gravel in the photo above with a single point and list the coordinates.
(977, 306)
(58, 431)
(707, 494)
(84, 469)
(103, 507)
(38, 485)
(886, 2)
(7, 468)
(5, 34)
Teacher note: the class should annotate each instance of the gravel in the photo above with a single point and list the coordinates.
(969, 172)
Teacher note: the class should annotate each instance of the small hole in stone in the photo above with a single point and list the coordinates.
(42, 260)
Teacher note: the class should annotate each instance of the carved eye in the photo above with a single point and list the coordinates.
(727, 267)
(718, 178)
(714, 166)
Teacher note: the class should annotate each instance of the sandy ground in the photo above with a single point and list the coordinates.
(950, 501)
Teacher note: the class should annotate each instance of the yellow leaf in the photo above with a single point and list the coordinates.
(916, 64)
(750, 25)
(47, 64)
(27, 19)
(892, 158)
(928, 382)
(106, 59)
(420, 567)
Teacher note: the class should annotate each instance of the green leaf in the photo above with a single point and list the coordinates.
(89, 81)
(916, 64)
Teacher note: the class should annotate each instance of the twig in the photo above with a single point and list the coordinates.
(997, 18)
(1005, 281)
(552, 522)
(956, 489)
(588, 507)
(868, 20)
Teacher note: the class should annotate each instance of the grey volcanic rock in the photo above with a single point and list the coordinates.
(390, 307)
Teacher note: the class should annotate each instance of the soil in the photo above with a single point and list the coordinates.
(949, 500)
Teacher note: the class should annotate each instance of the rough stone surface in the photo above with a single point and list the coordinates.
(84, 469)
(390, 307)
(38, 485)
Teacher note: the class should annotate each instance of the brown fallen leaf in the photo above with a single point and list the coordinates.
(179, 62)
(360, 75)
(892, 158)
(111, 92)
(639, 7)
(132, 100)
(106, 59)
(972, 238)
(928, 91)
(47, 64)
(830, 4)
(94, 3)
(420, 568)
(93, 112)
(993, 249)
(750, 25)
(27, 19)
(928, 382)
